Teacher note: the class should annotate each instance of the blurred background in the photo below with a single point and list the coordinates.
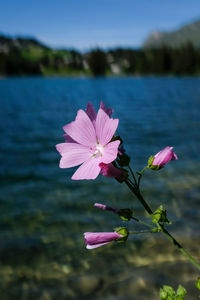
(141, 59)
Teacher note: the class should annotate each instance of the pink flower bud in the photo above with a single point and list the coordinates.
(163, 157)
(108, 170)
(98, 239)
(106, 207)
(101, 206)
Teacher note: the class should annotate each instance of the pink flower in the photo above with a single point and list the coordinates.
(98, 239)
(163, 157)
(88, 143)
(108, 170)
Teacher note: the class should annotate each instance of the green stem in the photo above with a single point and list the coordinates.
(137, 193)
(138, 232)
(143, 223)
(139, 196)
(179, 247)
(140, 175)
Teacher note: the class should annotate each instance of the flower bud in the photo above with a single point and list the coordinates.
(98, 239)
(124, 213)
(106, 207)
(159, 160)
(108, 170)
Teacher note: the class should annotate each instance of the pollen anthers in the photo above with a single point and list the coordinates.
(99, 150)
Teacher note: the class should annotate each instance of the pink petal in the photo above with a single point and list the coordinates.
(110, 152)
(92, 238)
(90, 111)
(105, 127)
(82, 129)
(96, 246)
(73, 154)
(163, 157)
(88, 170)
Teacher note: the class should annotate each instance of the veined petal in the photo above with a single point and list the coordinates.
(105, 127)
(93, 238)
(88, 170)
(73, 154)
(110, 152)
(90, 111)
(81, 130)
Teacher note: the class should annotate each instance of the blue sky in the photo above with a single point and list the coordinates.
(89, 23)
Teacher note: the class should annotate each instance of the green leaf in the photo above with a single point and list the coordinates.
(163, 294)
(197, 283)
(181, 291)
(167, 293)
(160, 215)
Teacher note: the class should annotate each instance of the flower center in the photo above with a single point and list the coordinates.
(98, 151)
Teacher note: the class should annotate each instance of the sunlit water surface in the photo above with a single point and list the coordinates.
(43, 214)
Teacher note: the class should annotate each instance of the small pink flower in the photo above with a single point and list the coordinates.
(108, 170)
(98, 239)
(163, 157)
(88, 143)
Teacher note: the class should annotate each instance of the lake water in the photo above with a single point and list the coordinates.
(44, 214)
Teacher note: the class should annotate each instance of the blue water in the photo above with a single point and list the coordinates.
(44, 214)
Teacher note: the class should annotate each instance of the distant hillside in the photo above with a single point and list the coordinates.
(27, 56)
(21, 43)
(187, 34)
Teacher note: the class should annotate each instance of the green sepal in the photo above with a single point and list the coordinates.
(153, 167)
(125, 214)
(160, 215)
(124, 232)
(150, 160)
(197, 283)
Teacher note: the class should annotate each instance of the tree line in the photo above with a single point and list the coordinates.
(40, 60)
